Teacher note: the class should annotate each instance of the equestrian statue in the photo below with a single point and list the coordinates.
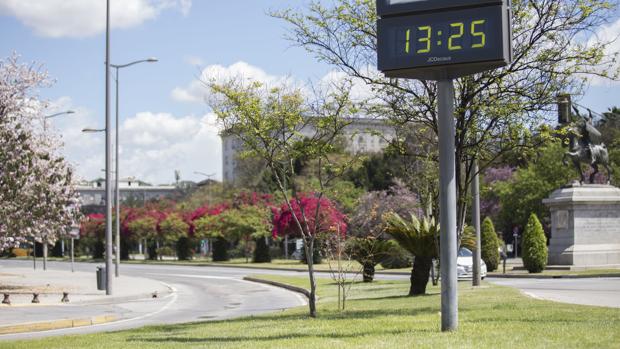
(586, 146)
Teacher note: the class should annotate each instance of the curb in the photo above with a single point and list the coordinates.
(279, 284)
(57, 324)
(114, 300)
(101, 301)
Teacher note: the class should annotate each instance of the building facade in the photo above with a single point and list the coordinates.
(362, 135)
(92, 193)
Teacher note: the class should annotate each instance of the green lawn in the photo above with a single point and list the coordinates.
(379, 316)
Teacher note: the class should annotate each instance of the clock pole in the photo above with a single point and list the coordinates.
(447, 206)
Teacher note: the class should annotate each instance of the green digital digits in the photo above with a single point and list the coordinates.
(458, 35)
(454, 41)
(426, 39)
(480, 35)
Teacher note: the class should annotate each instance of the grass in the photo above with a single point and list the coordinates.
(379, 316)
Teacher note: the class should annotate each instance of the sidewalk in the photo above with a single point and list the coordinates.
(86, 305)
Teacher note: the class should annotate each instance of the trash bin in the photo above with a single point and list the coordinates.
(101, 278)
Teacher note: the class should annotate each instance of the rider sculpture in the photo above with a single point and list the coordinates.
(586, 146)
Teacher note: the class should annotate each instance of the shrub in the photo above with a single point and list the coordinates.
(369, 252)
(20, 252)
(184, 249)
(400, 258)
(261, 252)
(490, 244)
(98, 250)
(534, 246)
(316, 254)
(165, 251)
(56, 251)
(220, 250)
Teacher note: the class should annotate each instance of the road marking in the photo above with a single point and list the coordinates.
(301, 299)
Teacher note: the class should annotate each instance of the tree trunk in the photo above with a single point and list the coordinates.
(45, 253)
(368, 272)
(309, 248)
(419, 275)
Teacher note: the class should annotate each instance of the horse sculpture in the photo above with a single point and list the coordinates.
(586, 146)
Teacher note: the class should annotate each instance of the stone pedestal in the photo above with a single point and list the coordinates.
(585, 225)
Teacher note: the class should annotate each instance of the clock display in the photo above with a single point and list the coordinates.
(444, 38)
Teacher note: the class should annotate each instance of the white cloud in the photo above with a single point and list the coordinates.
(153, 145)
(83, 18)
(85, 151)
(609, 33)
(194, 61)
(359, 90)
(156, 144)
(196, 91)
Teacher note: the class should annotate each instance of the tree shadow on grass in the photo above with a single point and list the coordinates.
(291, 335)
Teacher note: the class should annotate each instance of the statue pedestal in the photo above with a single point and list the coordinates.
(585, 225)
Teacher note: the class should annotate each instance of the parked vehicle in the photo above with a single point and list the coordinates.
(465, 265)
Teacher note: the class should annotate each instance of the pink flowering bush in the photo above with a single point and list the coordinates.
(328, 220)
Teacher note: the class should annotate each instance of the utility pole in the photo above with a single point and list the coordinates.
(108, 162)
(447, 206)
(475, 189)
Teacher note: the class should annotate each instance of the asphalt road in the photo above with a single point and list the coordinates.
(201, 294)
(591, 291)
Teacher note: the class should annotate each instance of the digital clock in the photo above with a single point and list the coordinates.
(443, 43)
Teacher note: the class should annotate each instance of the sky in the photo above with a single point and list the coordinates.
(164, 121)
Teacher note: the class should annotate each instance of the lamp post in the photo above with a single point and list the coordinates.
(208, 197)
(116, 177)
(108, 233)
(62, 242)
(55, 115)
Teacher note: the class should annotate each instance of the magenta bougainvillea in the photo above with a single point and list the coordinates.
(329, 218)
(94, 224)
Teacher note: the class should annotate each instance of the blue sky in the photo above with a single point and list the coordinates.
(164, 123)
(184, 38)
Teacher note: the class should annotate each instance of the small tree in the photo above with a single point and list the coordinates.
(208, 227)
(172, 229)
(490, 245)
(369, 252)
(37, 192)
(420, 238)
(92, 233)
(144, 228)
(370, 246)
(261, 251)
(534, 246)
(269, 122)
(245, 223)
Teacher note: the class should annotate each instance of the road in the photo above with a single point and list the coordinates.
(591, 291)
(201, 294)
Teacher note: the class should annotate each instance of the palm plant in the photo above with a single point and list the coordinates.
(369, 252)
(420, 238)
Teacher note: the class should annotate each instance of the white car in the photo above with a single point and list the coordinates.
(465, 265)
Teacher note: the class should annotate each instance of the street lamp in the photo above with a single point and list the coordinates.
(55, 115)
(108, 236)
(116, 189)
(93, 130)
(208, 178)
(58, 114)
(34, 250)
(209, 198)
(108, 202)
